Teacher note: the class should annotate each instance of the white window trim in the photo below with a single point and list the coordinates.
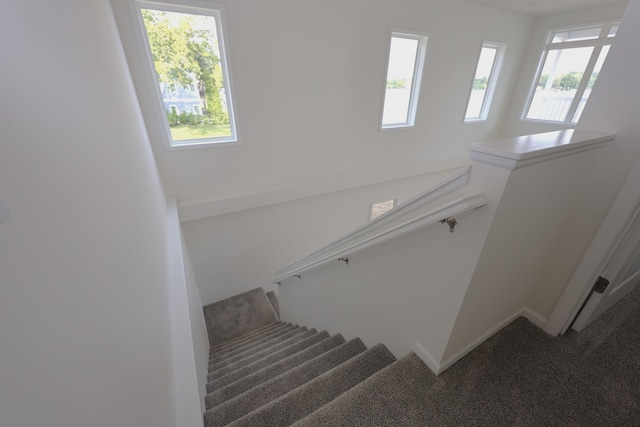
(597, 44)
(491, 83)
(145, 75)
(421, 56)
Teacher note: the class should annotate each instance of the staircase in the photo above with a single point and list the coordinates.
(264, 372)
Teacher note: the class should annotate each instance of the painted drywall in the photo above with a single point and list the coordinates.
(309, 80)
(237, 252)
(198, 325)
(513, 126)
(188, 400)
(613, 107)
(405, 290)
(531, 214)
(84, 321)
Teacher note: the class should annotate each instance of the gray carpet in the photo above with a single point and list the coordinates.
(238, 315)
(244, 351)
(271, 366)
(519, 377)
(275, 329)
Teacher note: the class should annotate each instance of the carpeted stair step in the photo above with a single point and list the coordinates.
(235, 356)
(238, 315)
(251, 400)
(259, 355)
(246, 339)
(229, 391)
(246, 336)
(217, 358)
(268, 360)
(394, 396)
(311, 396)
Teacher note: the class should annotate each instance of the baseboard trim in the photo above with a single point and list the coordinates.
(424, 355)
(192, 210)
(534, 317)
(475, 343)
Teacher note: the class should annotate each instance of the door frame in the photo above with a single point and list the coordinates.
(624, 212)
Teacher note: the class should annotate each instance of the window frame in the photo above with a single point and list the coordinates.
(151, 100)
(418, 71)
(598, 44)
(492, 82)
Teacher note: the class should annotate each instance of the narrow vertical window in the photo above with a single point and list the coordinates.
(484, 81)
(404, 72)
(188, 56)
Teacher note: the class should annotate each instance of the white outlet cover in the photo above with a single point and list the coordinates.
(4, 210)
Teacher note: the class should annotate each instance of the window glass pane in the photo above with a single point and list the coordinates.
(187, 60)
(378, 209)
(577, 34)
(400, 72)
(558, 83)
(596, 71)
(480, 82)
(613, 31)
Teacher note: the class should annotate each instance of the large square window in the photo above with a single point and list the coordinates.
(190, 69)
(568, 69)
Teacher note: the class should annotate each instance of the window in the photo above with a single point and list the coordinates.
(568, 69)
(378, 209)
(187, 53)
(484, 81)
(402, 86)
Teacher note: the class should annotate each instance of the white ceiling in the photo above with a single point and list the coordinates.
(544, 7)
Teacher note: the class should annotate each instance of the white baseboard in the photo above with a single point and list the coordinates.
(424, 355)
(475, 343)
(199, 209)
(534, 317)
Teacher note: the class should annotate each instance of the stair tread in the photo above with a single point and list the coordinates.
(234, 357)
(259, 355)
(252, 345)
(238, 387)
(248, 338)
(238, 315)
(269, 359)
(395, 396)
(316, 393)
(264, 393)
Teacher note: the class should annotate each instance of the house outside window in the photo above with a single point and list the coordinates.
(186, 50)
(569, 67)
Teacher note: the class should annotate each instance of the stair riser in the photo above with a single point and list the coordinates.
(250, 345)
(268, 360)
(234, 389)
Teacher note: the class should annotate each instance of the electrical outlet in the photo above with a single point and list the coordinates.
(4, 210)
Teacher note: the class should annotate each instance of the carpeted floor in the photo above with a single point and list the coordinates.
(283, 374)
(523, 377)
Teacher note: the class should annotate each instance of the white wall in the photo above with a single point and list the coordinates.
(189, 344)
(198, 325)
(84, 321)
(532, 212)
(309, 78)
(613, 106)
(405, 290)
(513, 126)
(237, 252)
